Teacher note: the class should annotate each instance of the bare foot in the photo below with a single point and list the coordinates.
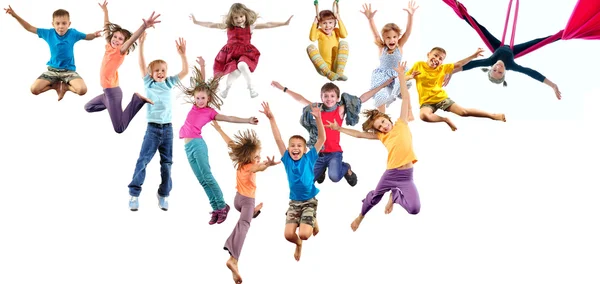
(356, 222)
(390, 205)
(61, 89)
(449, 122)
(144, 99)
(232, 265)
(500, 116)
(298, 251)
(316, 228)
(257, 210)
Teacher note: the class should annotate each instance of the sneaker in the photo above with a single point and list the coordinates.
(134, 204)
(163, 203)
(342, 78)
(352, 179)
(213, 217)
(253, 93)
(222, 215)
(321, 178)
(224, 93)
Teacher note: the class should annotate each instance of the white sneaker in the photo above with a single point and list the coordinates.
(253, 93)
(225, 92)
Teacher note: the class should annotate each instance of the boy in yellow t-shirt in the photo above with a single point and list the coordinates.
(429, 77)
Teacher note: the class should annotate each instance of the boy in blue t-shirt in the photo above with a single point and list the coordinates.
(159, 133)
(61, 75)
(299, 167)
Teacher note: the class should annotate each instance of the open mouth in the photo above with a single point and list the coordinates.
(434, 63)
(295, 154)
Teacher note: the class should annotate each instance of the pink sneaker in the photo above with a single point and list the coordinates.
(222, 214)
(213, 217)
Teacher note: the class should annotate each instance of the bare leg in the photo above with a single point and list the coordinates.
(257, 208)
(315, 230)
(40, 86)
(390, 205)
(456, 109)
(427, 115)
(292, 237)
(356, 222)
(77, 86)
(61, 89)
(232, 265)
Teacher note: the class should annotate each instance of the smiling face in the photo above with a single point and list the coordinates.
(117, 40)
(158, 71)
(239, 20)
(296, 148)
(201, 99)
(390, 39)
(435, 58)
(327, 26)
(383, 124)
(256, 156)
(61, 24)
(329, 98)
(498, 70)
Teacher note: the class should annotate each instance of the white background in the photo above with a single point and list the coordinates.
(510, 202)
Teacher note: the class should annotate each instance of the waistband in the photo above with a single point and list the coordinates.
(161, 125)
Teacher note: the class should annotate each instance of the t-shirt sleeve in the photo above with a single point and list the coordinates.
(77, 35)
(172, 81)
(312, 155)
(213, 114)
(43, 33)
(448, 68)
(285, 158)
(147, 81)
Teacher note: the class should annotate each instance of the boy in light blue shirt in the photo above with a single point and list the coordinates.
(299, 167)
(61, 75)
(159, 133)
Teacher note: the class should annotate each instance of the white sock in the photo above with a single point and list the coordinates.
(245, 70)
(230, 79)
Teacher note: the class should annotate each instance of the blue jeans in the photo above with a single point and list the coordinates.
(197, 154)
(333, 161)
(158, 137)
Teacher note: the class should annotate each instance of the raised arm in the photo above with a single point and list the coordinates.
(200, 62)
(181, 47)
(316, 112)
(150, 22)
(217, 127)
(410, 10)
(211, 25)
(299, 98)
(142, 61)
(105, 10)
(366, 96)
(333, 125)
(370, 14)
(264, 165)
(314, 30)
(234, 119)
(342, 32)
(405, 106)
(276, 134)
(23, 23)
(463, 62)
(269, 25)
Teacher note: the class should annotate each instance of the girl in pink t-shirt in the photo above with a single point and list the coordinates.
(203, 95)
(119, 42)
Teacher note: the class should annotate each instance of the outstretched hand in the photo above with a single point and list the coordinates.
(401, 68)
(315, 110)
(193, 18)
(368, 12)
(412, 7)
(478, 53)
(276, 85)
(151, 21)
(271, 162)
(180, 46)
(97, 34)
(557, 92)
(266, 110)
(253, 120)
(200, 61)
(103, 6)
(215, 124)
(10, 11)
(333, 125)
(447, 79)
(288, 20)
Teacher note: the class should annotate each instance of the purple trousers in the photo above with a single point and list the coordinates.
(404, 192)
(235, 242)
(111, 101)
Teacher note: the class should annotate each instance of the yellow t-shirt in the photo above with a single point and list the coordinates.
(398, 143)
(246, 181)
(328, 43)
(429, 82)
(109, 76)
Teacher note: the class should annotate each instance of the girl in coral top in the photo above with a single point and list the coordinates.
(119, 42)
(244, 151)
(238, 56)
(397, 138)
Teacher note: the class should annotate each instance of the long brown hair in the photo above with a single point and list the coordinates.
(372, 115)
(239, 8)
(243, 147)
(198, 84)
(110, 29)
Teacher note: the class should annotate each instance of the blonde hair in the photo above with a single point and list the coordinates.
(198, 84)
(110, 29)
(243, 147)
(154, 63)
(372, 115)
(388, 27)
(494, 80)
(239, 8)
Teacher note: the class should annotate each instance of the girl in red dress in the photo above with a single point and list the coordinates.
(238, 56)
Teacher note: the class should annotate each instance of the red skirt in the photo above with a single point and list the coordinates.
(233, 53)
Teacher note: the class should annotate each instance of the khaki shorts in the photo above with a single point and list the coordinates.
(54, 75)
(443, 105)
(302, 212)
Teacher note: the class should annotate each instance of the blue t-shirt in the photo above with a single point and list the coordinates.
(301, 177)
(160, 93)
(61, 47)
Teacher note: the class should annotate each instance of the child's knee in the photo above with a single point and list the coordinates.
(414, 210)
(305, 235)
(311, 48)
(335, 176)
(290, 236)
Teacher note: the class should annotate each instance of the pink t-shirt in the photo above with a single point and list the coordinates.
(196, 119)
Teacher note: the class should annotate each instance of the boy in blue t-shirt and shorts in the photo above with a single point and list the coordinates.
(299, 167)
(61, 75)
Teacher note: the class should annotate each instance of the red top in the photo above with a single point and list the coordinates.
(332, 143)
